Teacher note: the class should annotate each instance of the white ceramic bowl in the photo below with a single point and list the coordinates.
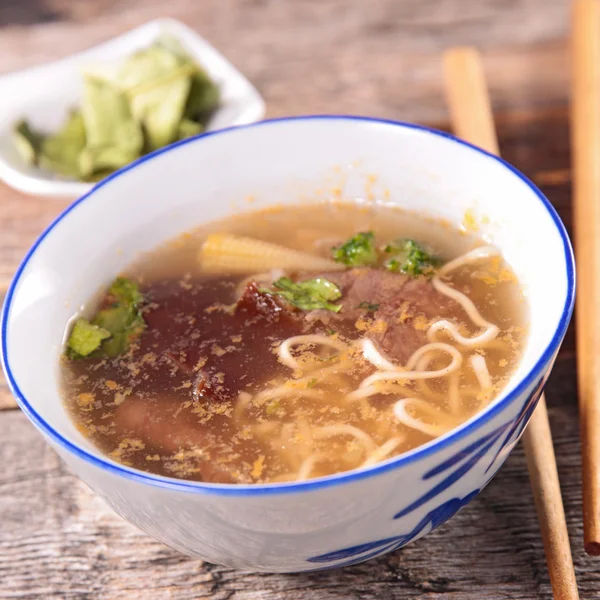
(337, 520)
(44, 95)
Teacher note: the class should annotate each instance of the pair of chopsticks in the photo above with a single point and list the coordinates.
(472, 120)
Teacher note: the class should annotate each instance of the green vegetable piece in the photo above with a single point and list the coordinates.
(411, 258)
(158, 82)
(125, 324)
(126, 291)
(120, 323)
(122, 319)
(27, 142)
(368, 306)
(358, 251)
(146, 67)
(309, 295)
(59, 151)
(86, 337)
(273, 407)
(188, 128)
(203, 99)
(163, 107)
(97, 176)
(155, 97)
(114, 137)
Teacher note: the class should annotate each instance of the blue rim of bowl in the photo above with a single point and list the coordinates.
(341, 478)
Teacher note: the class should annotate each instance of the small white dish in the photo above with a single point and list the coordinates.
(43, 95)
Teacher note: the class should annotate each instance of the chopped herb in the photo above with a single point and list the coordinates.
(85, 338)
(273, 407)
(126, 291)
(331, 332)
(411, 258)
(368, 306)
(113, 328)
(312, 383)
(310, 294)
(358, 251)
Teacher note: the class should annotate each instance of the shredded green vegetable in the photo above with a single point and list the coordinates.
(155, 97)
(86, 337)
(408, 256)
(309, 295)
(113, 329)
(358, 251)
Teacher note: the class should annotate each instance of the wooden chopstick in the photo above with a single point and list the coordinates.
(585, 144)
(471, 115)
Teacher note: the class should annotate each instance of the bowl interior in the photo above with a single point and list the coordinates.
(276, 162)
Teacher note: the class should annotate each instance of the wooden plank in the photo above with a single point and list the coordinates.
(335, 56)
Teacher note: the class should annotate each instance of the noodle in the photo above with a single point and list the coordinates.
(342, 429)
(284, 350)
(383, 451)
(308, 465)
(375, 357)
(491, 331)
(481, 371)
(431, 429)
(411, 363)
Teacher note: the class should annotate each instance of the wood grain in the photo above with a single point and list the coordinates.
(585, 120)
(57, 540)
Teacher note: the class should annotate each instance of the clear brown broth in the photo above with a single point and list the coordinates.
(143, 409)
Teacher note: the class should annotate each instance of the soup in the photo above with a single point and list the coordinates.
(294, 343)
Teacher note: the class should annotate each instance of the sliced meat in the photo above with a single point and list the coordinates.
(168, 431)
(404, 304)
(257, 306)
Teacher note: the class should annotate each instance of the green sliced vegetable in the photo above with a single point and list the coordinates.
(188, 128)
(124, 323)
(161, 110)
(27, 141)
(408, 256)
(123, 319)
(86, 337)
(113, 329)
(59, 152)
(114, 137)
(126, 291)
(358, 251)
(146, 67)
(153, 98)
(203, 99)
(310, 294)
(159, 82)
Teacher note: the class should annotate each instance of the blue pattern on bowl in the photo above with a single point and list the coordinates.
(467, 458)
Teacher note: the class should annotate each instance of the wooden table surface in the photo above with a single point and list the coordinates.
(382, 58)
